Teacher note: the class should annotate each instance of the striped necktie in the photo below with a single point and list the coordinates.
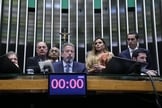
(67, 68)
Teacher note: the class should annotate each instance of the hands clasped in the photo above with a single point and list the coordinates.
(98, 67)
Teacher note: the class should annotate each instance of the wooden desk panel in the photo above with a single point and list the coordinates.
(39, 84)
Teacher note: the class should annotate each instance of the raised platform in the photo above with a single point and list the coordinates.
(39, 83)
(32, 92)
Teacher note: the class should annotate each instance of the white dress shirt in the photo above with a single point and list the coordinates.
(65, 67)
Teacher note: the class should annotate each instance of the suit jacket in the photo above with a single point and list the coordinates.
(77, 67)
(138, 68)
(126, 54)
(32, 63)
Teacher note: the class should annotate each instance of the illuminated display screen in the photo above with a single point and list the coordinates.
(67, 84)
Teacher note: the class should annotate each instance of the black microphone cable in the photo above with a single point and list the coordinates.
(154, 90)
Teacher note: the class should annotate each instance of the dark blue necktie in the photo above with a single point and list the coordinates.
(67, 68)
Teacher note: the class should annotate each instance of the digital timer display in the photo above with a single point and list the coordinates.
(67, 84)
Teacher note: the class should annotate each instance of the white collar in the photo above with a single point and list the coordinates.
(64, 64)
(130, 49)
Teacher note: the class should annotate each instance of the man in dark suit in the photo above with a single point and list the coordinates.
(33, 62)
(140, 55)
(68, 65)
(133, 44)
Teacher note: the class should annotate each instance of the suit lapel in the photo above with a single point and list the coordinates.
(74, 67)
(128, 54)
(61, 67)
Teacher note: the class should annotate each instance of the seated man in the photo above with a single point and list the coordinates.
(68, 65)
(54, 54)
(140, 55)
(133, 44)
(33, 62)
(9, 65)
(13, 57)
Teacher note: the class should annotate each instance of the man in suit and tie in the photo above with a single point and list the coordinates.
(33, 62)
(133, 44)
(67, 64)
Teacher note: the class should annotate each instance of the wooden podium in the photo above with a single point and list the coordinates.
(101, 92)
(39, 83)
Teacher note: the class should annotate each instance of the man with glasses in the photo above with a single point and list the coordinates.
(54, 54)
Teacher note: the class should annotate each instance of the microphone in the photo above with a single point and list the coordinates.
(47, 69)
(157, 100)
(46, 66)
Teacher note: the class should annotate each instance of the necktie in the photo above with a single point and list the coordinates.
(131, 52)
(67, 68)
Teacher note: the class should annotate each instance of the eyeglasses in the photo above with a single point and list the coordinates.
(132, 39)
(54, 51)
